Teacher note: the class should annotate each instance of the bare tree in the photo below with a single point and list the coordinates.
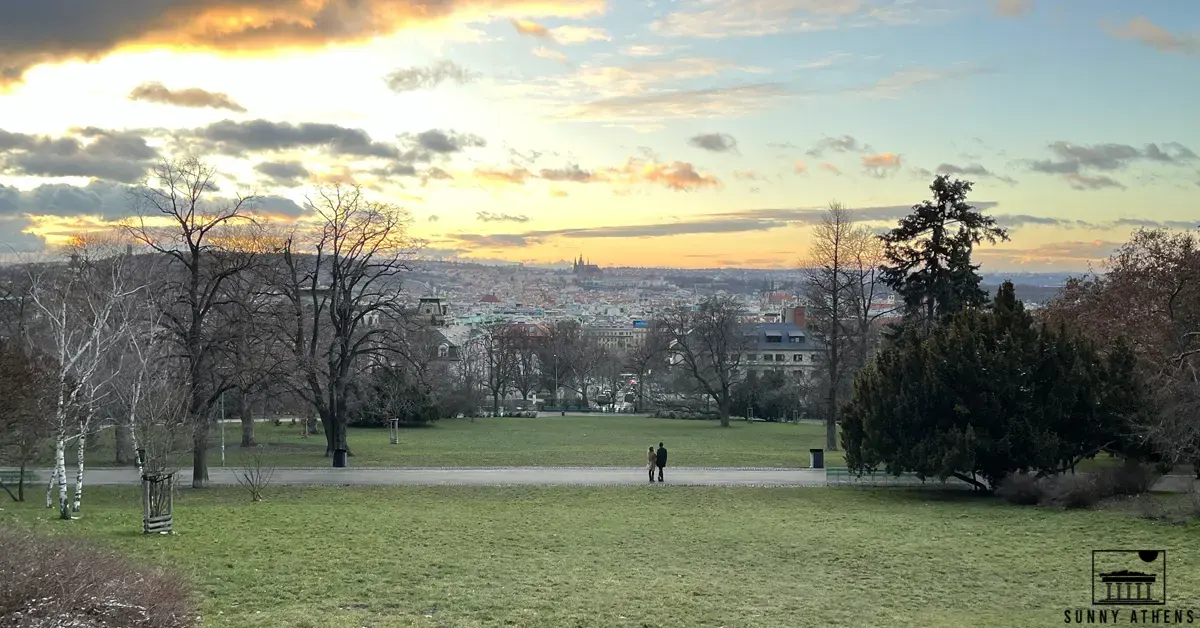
(866, 286)
(340, 283)
(204, 253)
(527, 371)
(499, 354)
(81, 305)
(708, 344)
(829, 285)
(647, 355)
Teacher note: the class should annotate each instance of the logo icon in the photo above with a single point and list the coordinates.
(1129, 577)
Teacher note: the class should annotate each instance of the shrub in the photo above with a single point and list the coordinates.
(1130, 478)
(56, 582)
(1081, 490)
(1022, 489)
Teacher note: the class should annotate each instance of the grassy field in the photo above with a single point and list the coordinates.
(546, 441)
(624, 557)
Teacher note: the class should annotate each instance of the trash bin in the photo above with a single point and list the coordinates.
(339, 458)
(816, 458)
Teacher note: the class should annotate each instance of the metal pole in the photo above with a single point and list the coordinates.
(222, 429)
(556, 379)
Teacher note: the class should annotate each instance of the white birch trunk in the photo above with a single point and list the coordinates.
(137, 395)
(83, 427)
(60, 470)
(50, 487)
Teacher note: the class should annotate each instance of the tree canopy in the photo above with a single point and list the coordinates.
(987, 394)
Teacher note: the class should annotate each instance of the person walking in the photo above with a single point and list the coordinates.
(651, 459)
(660, 460)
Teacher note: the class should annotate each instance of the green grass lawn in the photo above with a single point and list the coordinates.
(546, 441)
(625, 557)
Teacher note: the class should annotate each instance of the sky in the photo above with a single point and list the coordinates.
(681, 133)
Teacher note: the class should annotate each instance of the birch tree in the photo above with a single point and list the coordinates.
(81, 308)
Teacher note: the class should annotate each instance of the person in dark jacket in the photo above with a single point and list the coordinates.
(651, 459)
(661, 460)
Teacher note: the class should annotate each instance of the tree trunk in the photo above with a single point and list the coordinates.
(124, 445)
(60, 473)
(831, 443)
(200, 453)
(78, 498)
(495, 403)
(247, 418)
(723, 409)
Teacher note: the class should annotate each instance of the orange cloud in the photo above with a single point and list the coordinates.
(515, 176)
(880, 165)
(801, 167)
(527, 27)
(680, 176)
(828, 167)
(36, 36)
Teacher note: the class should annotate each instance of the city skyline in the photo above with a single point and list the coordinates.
(691, 133)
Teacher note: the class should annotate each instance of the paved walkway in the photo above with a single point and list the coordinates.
(515, 476)
(509, 476)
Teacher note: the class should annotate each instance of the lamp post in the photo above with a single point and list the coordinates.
(222, 429)
(564, 412)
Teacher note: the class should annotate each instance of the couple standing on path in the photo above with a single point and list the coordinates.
(656, 459)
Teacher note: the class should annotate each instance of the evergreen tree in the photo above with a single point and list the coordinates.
(985, 394)
(928, 255)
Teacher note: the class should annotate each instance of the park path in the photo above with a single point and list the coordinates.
(508, 476)
(517, 476)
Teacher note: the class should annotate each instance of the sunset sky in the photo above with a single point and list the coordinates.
(691, 133)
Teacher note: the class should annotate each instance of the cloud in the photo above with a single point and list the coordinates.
(572, 173)
(826, 61)
(679, 176)
(715, 142)
(572, 35)
(839, 144)
(714, 102)
(36, 33)
(485, 216)
(514, 176)
(237, 138)
(646, 50)
(720, 19)
(828, 167)
(891, 87)
(414, 78)
(543, 52)
(651, 90)
(1098, 182)
(801, 167)
(972, 170)
(1150, 34)
(445, 142)
(189, 97)
(283, 173)
(557, 193)
(122, 156)
(106, 200)
(1051, 255)
(724, 222)
(1072, 161)
(880, 165)
(1012, 8)
(533, 29)
(748, 175)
